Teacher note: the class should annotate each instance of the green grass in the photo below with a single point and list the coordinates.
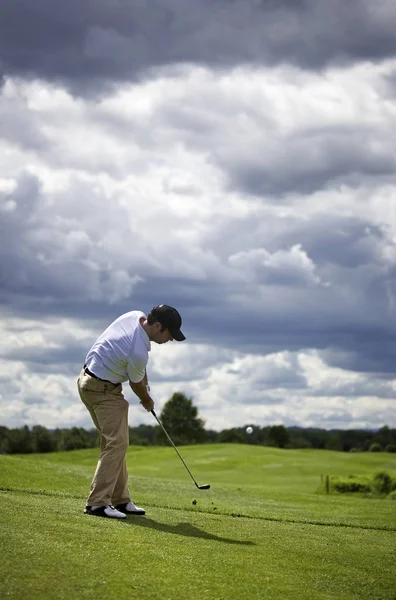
(266, 529)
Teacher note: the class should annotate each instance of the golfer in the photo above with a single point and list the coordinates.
(120, 354)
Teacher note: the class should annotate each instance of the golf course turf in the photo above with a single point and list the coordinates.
(265, 529)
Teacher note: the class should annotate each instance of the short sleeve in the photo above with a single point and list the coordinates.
(137, 369)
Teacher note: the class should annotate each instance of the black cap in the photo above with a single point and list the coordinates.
(169, 318)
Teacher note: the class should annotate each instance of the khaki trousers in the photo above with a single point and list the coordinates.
(109, 411)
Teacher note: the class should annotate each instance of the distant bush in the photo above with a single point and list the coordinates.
(392, 496)
(351, 485)
(375, 447)
(380, 484)
(390, 448)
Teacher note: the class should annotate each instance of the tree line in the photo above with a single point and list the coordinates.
(181, 420)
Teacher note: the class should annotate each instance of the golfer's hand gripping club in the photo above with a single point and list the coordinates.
(200, 487)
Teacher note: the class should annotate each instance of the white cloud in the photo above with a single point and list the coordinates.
(291, 267)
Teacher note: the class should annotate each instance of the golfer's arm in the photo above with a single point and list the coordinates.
(140, 389)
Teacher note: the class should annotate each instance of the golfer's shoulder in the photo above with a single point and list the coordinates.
(124, 331)
(132, 317)
(128, 323)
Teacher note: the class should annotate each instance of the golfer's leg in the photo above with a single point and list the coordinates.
(111, 413)
(102, 441)
(90, 410)
(121, 493)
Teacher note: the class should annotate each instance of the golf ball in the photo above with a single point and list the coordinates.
(249, 429)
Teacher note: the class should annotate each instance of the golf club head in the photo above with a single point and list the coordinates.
(203, 487)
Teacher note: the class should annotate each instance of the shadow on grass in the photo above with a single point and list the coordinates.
(182, 529)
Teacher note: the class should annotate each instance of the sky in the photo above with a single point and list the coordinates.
(235, 159)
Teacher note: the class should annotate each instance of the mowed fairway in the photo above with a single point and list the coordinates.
(265, 529)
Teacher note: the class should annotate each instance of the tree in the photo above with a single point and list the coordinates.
(231, 436)
(78, 438)
(212, 435)
(334, 441)
(142, 435)
(316, 437)
(180, 418)
(278, 436)
(19, 441)
(375, 447)
(42, 440)
(4, 442)
(385, 436)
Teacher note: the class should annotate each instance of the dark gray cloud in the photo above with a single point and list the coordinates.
(343, 241)
(264, 398)
(365, 352)
(90, 43)
(35, 401)
(42, 264)
(362, 387)
(283, 379)
(307, 163)
(65, 360)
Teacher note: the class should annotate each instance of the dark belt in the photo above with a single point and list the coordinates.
(88, 372)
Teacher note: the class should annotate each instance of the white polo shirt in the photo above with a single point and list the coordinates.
(121, 352)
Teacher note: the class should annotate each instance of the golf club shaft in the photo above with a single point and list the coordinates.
(169, 438)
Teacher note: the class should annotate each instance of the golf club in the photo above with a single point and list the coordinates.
(200, 487)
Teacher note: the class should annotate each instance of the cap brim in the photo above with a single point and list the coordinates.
(178, 336)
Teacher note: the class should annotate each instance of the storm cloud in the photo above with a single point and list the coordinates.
(89, 45)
